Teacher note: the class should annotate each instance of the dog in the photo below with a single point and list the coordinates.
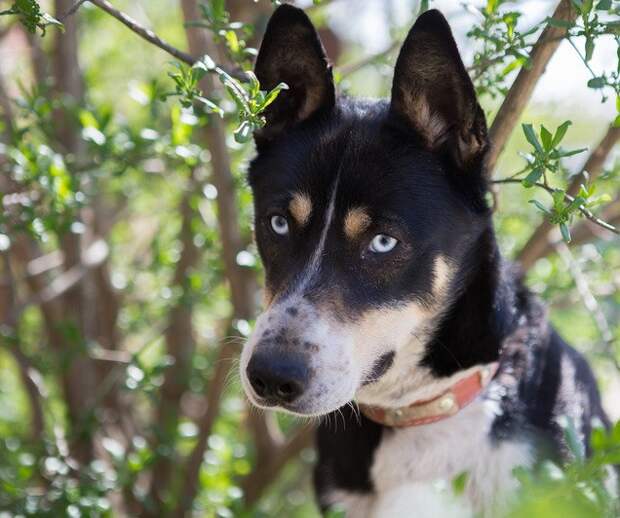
(389, 310)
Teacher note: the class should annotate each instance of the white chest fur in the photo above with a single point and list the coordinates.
(413, 469)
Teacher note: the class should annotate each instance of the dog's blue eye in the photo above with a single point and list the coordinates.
(382, 243)
(279, 224)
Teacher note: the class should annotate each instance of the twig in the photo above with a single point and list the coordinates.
(153, 38)
(521, 90)
(73, 9)
(141, 31)
(588, 214)
(538, 242)
(350, 68)
(94, 256)
(254, 485)
(589, 301)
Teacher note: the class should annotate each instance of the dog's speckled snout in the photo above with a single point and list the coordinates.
(277, 378)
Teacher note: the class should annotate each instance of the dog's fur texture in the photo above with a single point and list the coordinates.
(349, 317)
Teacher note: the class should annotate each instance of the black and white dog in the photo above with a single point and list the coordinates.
(385, 287)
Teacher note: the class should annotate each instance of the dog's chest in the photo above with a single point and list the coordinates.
(413, 468)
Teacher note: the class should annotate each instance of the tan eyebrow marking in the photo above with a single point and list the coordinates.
(300, 207)
(355, 222)
(442, 274)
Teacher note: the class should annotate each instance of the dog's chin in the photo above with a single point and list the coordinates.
(303, 407)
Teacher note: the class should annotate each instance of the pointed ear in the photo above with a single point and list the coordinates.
(291, 52)
(433, 93)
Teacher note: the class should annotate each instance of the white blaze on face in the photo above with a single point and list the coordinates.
(340, 355)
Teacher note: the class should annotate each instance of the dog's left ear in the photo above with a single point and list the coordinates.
(434, 95)
(291, 52)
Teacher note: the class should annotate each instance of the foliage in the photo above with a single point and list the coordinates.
(138, 189)
(31, 16)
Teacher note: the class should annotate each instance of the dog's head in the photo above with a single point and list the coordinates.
(365, 212)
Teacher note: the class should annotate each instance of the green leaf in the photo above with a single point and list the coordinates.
(210, 106)
(546, 138)
(589, 48)
(565, 232)
(459, 482)
(272, 95)
(603, 5)
(560, 132)
(597, 82)
(244, 132)
(531, 179)
(531, 137)
(540, 207)
(561, 153)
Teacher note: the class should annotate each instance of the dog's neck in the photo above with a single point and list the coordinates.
(466, 333)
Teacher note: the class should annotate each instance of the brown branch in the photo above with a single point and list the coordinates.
(31, 379)
(143, 32)
(191, 469)
(585, 212)
(180, 345)
(254, 484)
(93, 257)
(538, 242)
(240, 280)
(350, 68)
(154, 39)
(521, 90)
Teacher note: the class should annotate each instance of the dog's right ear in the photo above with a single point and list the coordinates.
(291, 52)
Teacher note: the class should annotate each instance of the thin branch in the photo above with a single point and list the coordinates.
(585, 231)
(143, 32)
(31, 378)
(538, 242)
(254, 484)
(350, 68)
(180, 345)
(153, 38)
(521, 90)
(73, 9)
(191, 470)
(588, 214)
(93, 257)
(589, 301)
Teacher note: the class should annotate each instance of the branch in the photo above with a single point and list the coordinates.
(588, 214)
(152, 38)
(589, 301)
(350, 68)
(141, 31)
(539, 240)
(180, 345)
(255, 483)
(240, 280)
(521, 90)
(191, 470)
(585, 230)
(31, 378)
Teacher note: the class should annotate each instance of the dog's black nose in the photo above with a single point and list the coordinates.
(277, 378)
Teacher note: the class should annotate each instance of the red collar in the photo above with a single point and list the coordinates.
(446, 404)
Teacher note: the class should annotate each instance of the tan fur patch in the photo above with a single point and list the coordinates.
(442, 273)
(355, 222)
(301, 208)
(268, 297)
(430, 125)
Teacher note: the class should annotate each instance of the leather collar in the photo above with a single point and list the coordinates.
(446, 404)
